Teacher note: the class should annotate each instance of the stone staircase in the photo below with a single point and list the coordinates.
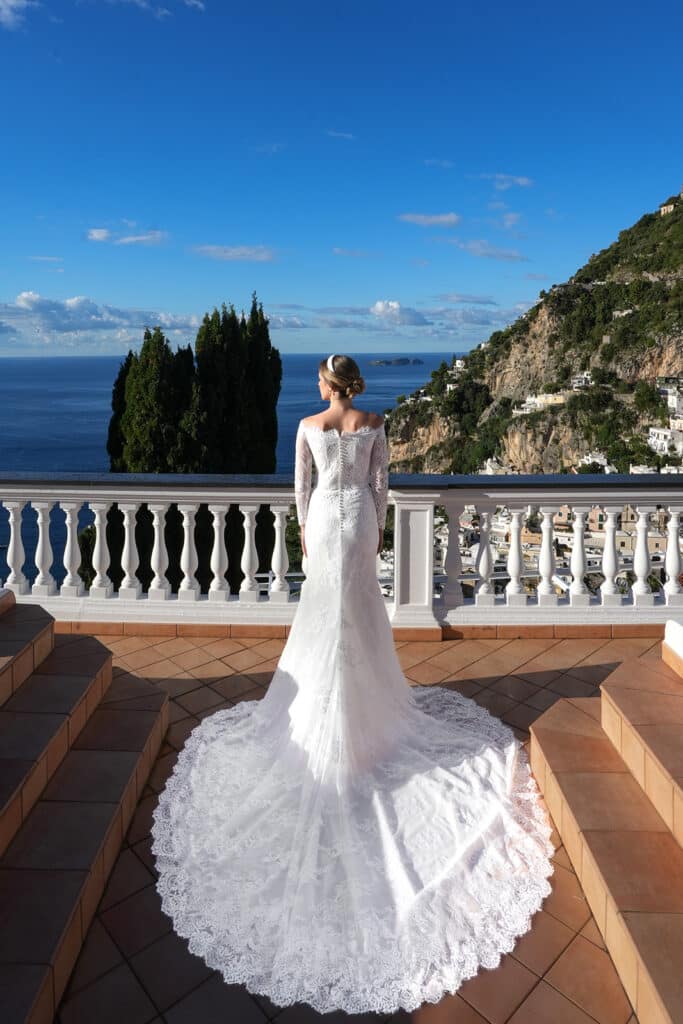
(76, 749)
(611, 771)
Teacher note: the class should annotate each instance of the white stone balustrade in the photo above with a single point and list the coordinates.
(518, 576)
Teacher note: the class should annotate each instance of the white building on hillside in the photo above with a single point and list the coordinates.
(582, 380)
(537, 403)
(662, 439)
(600, 459)
(673, 397)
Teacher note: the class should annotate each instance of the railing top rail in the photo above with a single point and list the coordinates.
(439, 481)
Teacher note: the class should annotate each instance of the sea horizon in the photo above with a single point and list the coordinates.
(57, 421)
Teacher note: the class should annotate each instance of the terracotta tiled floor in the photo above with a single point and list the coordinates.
(135, 969)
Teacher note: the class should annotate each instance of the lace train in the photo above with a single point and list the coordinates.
(243, 864)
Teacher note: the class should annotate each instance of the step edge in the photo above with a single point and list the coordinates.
(7, 600)
(85, 707)
(66, 952)
(18, 668)
(650, 772)
(602, 904)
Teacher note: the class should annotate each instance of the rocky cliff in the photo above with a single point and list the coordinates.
(620, 316)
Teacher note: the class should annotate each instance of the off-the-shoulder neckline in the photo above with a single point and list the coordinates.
(333, 430)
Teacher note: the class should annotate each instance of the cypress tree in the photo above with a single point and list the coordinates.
(149, 421)
(118, 405)
(213, 411)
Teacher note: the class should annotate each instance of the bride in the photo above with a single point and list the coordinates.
(349, 841)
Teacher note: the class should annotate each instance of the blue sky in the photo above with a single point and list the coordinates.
(387, 177)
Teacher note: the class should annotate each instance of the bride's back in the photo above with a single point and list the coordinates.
(350, 420)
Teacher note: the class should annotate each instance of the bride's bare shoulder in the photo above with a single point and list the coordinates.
(371, 419)
(312, 421)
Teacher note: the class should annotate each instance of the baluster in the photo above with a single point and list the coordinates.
(219, 589)
(189, 585)
(452, 595)
(609, 592)
(642, 595)
(44, 584)
(485, 592)
(514, 591)
(130, 588)
(579, 595)
(101, 586)
(673, 563)
(16, 581)
(546, 559)
(73, 584)
(279, 587)
(249, 590)
(159, 588)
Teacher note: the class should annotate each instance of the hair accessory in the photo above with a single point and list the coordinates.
(330, 361)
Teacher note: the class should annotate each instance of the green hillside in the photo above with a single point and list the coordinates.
(619, 316)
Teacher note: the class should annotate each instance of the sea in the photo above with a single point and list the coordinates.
(54, 412)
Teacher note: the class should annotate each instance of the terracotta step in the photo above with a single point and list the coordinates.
(629, 865)
(53, 874)
(7, 600)
(642, 713)
(26, 639)
(42, 720)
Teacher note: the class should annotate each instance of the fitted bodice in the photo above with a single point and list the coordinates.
(342, 460)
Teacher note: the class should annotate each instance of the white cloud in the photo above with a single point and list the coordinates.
(356, 254)
(510, 219)
(343, 310)
(388, 318)
(497, 204)
(463, 317)
(341, 135)
(81, 322)
(290, 323)
(429, 220)
(144, 5)
(443, 164)
(392, 311)
(536, 277)
(237, 253)
(502, 182)
(480, 247)
(340, 323)
(475, 300)
(196, 5)
(153, 237)
(148, 238)
(47, 259)
(12, 12)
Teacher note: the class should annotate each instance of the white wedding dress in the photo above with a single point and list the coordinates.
(350, 841)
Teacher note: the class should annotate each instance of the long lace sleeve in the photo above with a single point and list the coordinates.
(303, 468)
(379, 475)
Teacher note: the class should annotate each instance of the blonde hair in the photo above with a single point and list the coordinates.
(346, 376)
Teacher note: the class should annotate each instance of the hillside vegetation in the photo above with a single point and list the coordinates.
(620, 316)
